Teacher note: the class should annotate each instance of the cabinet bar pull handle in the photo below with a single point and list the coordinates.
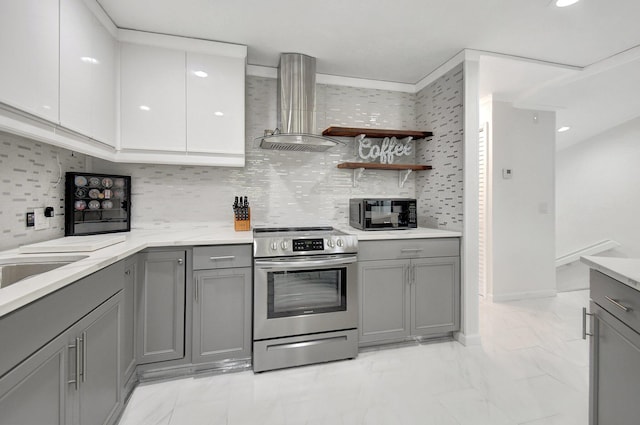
(84, 356)
(413, 273)
(76, 381)
(406, 274)
(411, 250)
(617, 304)
(226, 257)
(584, 323)
(196, 289)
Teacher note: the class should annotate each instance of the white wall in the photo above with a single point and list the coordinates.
(598, 198)
(522, 208)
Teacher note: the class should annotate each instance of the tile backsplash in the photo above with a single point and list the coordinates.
(284, 188)
(32, 176)
(439, 107)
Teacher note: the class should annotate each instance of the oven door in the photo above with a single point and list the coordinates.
(303, 295)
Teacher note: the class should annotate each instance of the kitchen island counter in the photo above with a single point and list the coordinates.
(32, 288)
(625, 270)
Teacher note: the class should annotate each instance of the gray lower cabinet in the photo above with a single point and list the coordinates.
(222, 303)
(73, 379)
(435, 295)
(35, 392)
(128, 331)
(160, 306)
(614, 382)
(222, 297)
(95, 365)
(384, 300)
(615, 371)
(404, 293)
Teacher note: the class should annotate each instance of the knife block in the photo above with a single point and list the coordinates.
(242, 225)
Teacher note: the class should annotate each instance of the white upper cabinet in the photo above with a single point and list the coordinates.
(181, 100)
(152, 98)
(88, 55)
(29, 56)
(215, 104)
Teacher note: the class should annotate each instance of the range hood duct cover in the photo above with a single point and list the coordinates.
(297, 108)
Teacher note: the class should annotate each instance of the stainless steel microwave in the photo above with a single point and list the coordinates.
(383, 213)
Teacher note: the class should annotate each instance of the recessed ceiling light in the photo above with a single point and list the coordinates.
(565, 3)
(88, 59)
(200, 74)
(144, 108)
(563, 129)
(218, 114)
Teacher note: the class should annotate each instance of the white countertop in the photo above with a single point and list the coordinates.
(419, 233)
(625, 270)
(30, 289)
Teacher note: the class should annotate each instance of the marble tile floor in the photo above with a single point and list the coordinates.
(531, 369)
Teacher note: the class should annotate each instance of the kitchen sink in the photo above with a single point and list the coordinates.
(13, 270)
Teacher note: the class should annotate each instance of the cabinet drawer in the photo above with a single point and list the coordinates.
(221, 256)
(615, 297)
(408, 248)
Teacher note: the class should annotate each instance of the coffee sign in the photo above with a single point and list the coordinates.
(385, 150)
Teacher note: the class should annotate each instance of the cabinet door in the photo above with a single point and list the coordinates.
(35, 391)
(614, 374)
(128, 332)
(222, 315)
(152, 98)
(29, 56)
(215, 104)
(435, 295)
(160, 306)
(87, 73)
(99, 394)
(384, 300)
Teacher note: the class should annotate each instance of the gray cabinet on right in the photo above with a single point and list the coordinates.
(614, 352)
(408, 288)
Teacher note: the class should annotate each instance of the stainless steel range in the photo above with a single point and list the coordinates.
(305, 296)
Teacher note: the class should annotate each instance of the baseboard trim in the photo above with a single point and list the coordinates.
(516, 296)
(467, 340)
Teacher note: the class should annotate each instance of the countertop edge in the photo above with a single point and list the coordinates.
(31, 289)
(611, 266)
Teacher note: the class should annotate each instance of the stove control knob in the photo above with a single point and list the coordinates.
(330, 243)
(284, 245)
(340, 243)
(274, 245)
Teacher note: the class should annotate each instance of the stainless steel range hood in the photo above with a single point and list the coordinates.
(296, 108)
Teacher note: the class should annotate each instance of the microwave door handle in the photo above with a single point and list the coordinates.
(305, 264)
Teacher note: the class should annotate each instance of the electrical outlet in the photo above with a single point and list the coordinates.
(40, 221)
(30, 219)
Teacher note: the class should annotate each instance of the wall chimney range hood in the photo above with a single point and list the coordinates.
(296, 124)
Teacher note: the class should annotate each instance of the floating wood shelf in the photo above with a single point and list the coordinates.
(374, 132)
(378, 166)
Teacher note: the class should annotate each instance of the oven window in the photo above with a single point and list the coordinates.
(304, 292)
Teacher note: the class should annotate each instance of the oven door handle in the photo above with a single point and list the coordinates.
(305, 264)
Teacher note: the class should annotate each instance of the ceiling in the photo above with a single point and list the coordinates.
(578, 60)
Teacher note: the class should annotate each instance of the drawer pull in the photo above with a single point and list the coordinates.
(411, 250)
(617, 304)
(226, 257)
